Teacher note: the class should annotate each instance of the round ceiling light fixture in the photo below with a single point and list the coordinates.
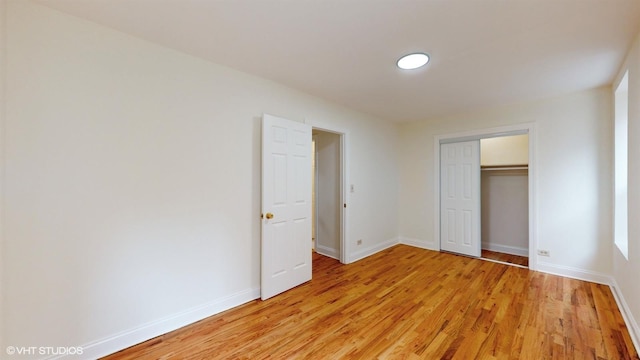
(413, 61)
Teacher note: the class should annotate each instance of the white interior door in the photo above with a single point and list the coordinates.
(286, 205)
(460, 197)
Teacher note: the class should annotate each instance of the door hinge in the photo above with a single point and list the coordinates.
(345, 206)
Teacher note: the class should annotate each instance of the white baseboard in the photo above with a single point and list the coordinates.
(629, 320)
(150, 330)
(361, 254)
(423, 244)
(327, 251)
(507, 249)
(574, 273)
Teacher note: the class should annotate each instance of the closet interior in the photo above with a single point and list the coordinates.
(504, 163)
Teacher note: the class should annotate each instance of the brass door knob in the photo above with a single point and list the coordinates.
(269, 216)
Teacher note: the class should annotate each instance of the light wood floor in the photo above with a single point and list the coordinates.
(512, 259)
(409, 303)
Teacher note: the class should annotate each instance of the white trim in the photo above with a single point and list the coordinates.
(152, 329)
(422, 244)
(327, 251)
(344, 241)
(474, 135)
(506, 249)
(627, 315)
(344, 251)
(574, 273)
(487, 133)
(314, 202)
(359, 255)
(3, 142)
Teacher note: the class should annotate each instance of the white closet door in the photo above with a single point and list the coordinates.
(460, 197)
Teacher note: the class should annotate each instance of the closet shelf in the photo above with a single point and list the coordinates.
(505, 167)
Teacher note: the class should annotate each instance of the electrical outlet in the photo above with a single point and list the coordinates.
(359, 242)
(544, 253)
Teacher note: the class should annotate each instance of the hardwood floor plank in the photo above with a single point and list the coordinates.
(409, 303)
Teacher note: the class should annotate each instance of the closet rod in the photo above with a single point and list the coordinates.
(505, 167)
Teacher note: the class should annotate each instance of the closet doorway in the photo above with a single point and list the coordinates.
(327, 193)
(506, 182)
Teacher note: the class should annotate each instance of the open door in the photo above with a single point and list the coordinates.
(286, 205)
(460, 197)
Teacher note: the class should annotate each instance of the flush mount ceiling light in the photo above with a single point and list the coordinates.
(413, 61)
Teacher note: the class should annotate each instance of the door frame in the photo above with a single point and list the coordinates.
(314, 195)
(344, 253)
(519, 129)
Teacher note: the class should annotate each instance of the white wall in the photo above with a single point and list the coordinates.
(505, 150)
(328, 199)
(573, 142)
(626, 271)
(132, 193)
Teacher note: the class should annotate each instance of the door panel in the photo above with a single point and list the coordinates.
(460, 197)
(286, 205)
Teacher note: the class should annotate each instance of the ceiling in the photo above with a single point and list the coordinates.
(484, 52)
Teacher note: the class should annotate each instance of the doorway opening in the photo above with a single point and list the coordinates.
(504, 181)
(505, 203)
(327, 193)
